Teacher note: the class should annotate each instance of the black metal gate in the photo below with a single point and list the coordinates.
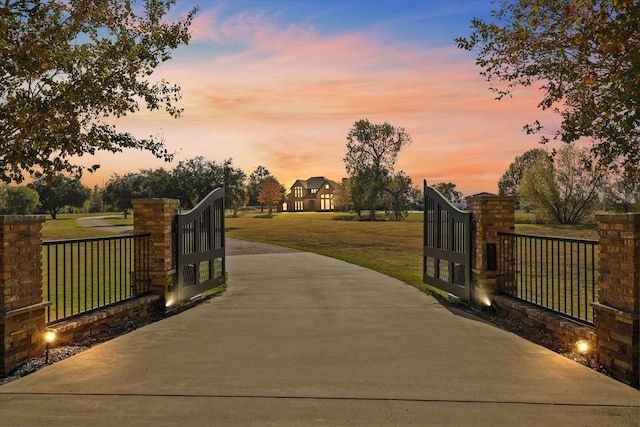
(447, 245)
(200, 260)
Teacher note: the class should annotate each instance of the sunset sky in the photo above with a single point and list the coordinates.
(279, 83)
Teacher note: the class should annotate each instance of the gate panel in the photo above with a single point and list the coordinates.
(200, 261)
(447, 245)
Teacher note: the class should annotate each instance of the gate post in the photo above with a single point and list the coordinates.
(22, 311)
(157, 217)
(617, 311)
(490, 215)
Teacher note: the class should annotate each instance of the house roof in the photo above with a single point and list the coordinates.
(314, 182)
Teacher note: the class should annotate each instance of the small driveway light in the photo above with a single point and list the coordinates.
(49, 337)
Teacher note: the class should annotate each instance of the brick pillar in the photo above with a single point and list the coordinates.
(22, 310)
(490, 215)
(616, 318)
(157, 216)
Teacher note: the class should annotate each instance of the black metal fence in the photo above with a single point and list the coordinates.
(80, 275)
(556, 273)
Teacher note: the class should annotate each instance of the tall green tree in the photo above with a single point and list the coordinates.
(400, 193)
(622, 192)
(584, 55)
(256, 179)
(372, 150)
(448, 190)
(235, 190)
(509, 183)
(560, 187)
(195, 178)
(60, 191)
(68, 68)
(95, 201)
(120, 190)
(21, 200)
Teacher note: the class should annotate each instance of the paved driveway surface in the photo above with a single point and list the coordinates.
(300, 339)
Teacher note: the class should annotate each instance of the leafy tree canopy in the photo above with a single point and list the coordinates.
(60, 191)
(372, 150)
(271, 193)
(67, 67)
(21, 200)
(585, 57)
(509, 183)
(448, 190)
(560, 187)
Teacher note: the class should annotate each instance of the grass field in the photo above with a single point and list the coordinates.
(66, 227)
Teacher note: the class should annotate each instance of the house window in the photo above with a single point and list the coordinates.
(326, 202)
(298, 192)
(326, 186)
(314, 190)
(299, 205)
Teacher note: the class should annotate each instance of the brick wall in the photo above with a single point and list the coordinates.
(490, 215)
(112, 317)
(21, 306)
(617, 311)
(157, 216)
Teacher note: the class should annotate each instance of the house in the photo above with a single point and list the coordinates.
(311, 195)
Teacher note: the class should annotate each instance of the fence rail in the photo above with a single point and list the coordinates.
(80, 275)
(556, 273)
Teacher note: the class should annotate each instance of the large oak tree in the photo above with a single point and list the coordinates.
(68, 68)
(584, 55)
(372, 150)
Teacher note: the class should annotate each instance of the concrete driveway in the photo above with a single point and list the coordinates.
(301, 340)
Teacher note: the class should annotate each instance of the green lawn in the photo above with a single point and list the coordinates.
(66, 227)
(393, 248)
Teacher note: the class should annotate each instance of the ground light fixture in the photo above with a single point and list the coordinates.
(49, 338)
(583, 346)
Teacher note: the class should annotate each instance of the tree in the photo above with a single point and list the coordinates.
(372, 150)
(400, 193)
(448, 190)
(95, 201)
(509, 183)
(270, 194)
(256, 179)
(559, 185)
(622, 193)
(148, 183)
(197, 177)
(21, 200)
(235, 191)
(341, 196)
(585, 57)
(60, 191)
(68, 68)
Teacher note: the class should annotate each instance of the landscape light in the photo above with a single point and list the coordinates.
(49, 337)
(583, 346)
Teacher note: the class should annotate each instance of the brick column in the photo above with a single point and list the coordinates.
(157, 216)
(616, 319)
(490, 215)
(22, 310)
